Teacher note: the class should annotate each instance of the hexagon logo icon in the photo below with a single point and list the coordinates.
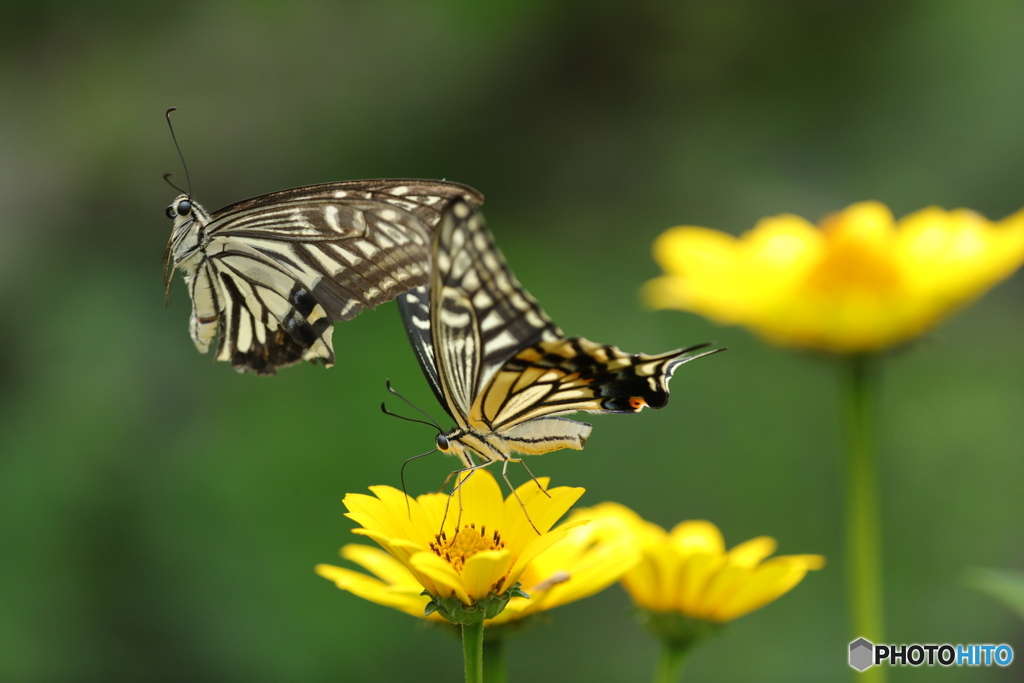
(861, 651)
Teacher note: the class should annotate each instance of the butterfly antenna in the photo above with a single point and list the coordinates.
(401, 474)
(167, 178)
(188, 180)
(425, 413)
(384, 409)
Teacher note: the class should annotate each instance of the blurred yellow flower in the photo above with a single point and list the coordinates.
(860, 283)
(491, 549)
(588, 558)
(688, 571)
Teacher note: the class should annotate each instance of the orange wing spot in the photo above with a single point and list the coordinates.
(636, 403)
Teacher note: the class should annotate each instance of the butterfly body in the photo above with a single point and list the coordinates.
(271, 275)
(501, 367)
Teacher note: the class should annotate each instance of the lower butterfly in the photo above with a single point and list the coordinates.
(501, 368)
(271, 275)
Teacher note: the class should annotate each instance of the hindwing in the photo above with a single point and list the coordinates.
(272, 274)
(569, 375)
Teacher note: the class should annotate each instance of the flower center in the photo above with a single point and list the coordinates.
(854, 267)
(467, 542)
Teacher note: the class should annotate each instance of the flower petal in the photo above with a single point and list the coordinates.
(480, 500)
(750, 553)
(376, 591)
(444, 577)
(543, 510)
(406, 514)
(539, 545)
(765, 584)
(698, 536)
(591, 574)
(484, 570)
(696, 575)
(373, 513)
(723, 584)
(378, 562)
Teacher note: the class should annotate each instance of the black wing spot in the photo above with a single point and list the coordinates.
(299, 330)
(302, 300)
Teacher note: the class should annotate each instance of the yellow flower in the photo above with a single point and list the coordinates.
(688, 571)
(493, 548)
(860, 283)
(592, 556)
(588, 559)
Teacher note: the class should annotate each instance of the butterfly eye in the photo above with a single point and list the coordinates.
(170, 211)
(184, 208)
(442, 442)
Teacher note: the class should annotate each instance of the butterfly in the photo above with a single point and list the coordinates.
(271, 275)
(501, 368)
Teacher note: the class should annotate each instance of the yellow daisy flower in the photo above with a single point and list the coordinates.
(478, 554)
(688, 570)
(588, 559)
(860, 282)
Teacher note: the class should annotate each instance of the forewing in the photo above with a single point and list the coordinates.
(425, 199)
(414, 306)
(568, 375)
(351, 256)
(480, 315)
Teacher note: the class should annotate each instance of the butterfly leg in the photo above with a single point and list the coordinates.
(468, 471)
(532, 476)
(504, 475)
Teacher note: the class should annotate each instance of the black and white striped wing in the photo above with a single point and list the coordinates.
(476, 315)
(576, 374)
(270, 275)
(425, 199)
(414, 306)
(501, 367)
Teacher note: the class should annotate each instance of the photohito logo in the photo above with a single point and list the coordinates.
(865, 654)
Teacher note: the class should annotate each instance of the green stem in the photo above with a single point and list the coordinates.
(495, 663)
(863, 536)
(670, 664)
(472, 651)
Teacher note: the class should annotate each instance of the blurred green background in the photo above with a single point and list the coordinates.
(160, 515)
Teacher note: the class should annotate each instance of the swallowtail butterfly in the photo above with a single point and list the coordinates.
(271, 275)
(501, 368)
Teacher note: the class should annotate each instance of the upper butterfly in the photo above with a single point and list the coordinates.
(499, 365)
(272, 274)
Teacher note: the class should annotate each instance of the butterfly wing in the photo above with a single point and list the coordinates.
(425, 199)
(266, 317)
(414, 306)
(501, 367)
(278, 270)
(569, 375)
(479, 314)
